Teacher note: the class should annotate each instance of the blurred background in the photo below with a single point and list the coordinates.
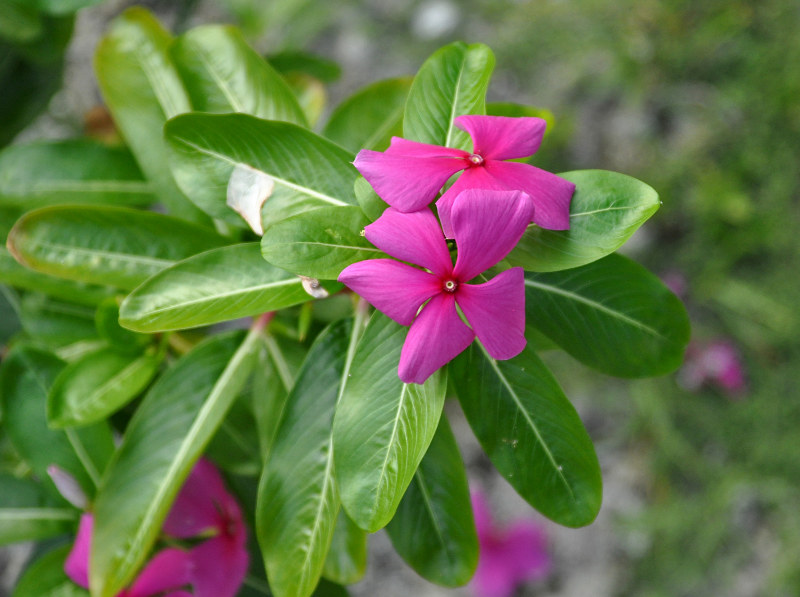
(701, 100)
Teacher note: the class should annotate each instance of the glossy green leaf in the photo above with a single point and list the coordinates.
(369, 118)
(452, 82)
(297, 499)
(142, 89)
(46, 578)
(26, 376)
(606, 210)
(123, 340)
(163, 440)
(77, 171)
(382, 427)
(612, 315)
(222, 73)
(97, 385)
(26, 513)
(319, 243)
(369, 201)
(433, 529)
(347, 557)
(214, 286)
(307, 171)
(105, 245)
(531, 433)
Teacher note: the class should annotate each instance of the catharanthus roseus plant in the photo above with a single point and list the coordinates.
(219, 203)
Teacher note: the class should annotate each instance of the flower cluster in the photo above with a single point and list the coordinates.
(215, 567)
(486, 211)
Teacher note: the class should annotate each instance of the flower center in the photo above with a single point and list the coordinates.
(475, 159)
(450, 286)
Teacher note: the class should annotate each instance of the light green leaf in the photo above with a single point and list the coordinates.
(222, 73)
(26, 514)
(347, 557)
(612, 315)
(46, 577)
(105, 245)
(531, 433)
(214, 286)
(77, 171)
(297, 499)
(142, 89)
(307, 170)
(369, 118)
(319, 243)
(163, 440)
(606, 209)
(433, 529)
(63, 7)
(369, 201)
(382, 427)
(452, 82)
(97, 385)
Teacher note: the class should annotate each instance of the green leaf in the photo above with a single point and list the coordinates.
(97, 385)
(452, 82)
(142, 89)
(347, 557)
(293, 61)
(296, 513)
(382, 427)
(319, 243)
(26, 514)
(62, 7)
(612, 315)
(520, 110)
(106, 318)
(606, 210)
(222, 73)
(77, 171)
(307, 171)
(214, 286)
(26, 376)
(164, 439)
(369, 201)
(55, 323)
(369, 118)
(105, 245)
(46, 578)
(531, 433)
(20, 21)
(433, 529)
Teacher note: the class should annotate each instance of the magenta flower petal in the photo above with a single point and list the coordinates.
(502, 137)
(76, 565)
(415, 237)
(551, 194)
(396, 289)
(525, 550)
(202, 504)
(167, 570)
(496, 312)
(436, 337)
(218, 566)
(407, 183)
(415, 149)
(486, 226)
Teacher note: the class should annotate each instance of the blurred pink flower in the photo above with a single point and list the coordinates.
(487, 225)
(718, 364)
(509, 556)
(409, 174)
(213, 568)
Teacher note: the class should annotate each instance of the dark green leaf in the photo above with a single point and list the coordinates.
(369, 201)
(77, 171)
(606, 210)
(382, 427)
(46, 578)
(305, 170)
(55, 323)
(433, 529)
(612, 315)
(26, 514)
(106, 318)
(347, 557)
(369, 118)
(222, 73)
(531, 433)
(105, 245)
(452, 82)
(292, 61)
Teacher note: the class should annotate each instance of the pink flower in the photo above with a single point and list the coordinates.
(409, 174)
(213, 568)
(717, 364)
(486, 225)
(508, 556)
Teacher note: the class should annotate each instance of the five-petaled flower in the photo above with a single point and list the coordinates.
(214, 567)
(409, 174)
(508, 556)
(486, 226)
